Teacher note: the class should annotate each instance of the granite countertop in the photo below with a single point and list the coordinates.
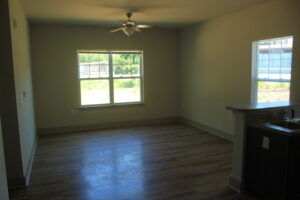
(263, 106)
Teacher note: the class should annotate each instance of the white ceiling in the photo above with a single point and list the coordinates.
(175, 13)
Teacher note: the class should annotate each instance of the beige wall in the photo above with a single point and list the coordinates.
(216, 60)
(8, 106)
(23, 83)
(56, 88)
(17, 113)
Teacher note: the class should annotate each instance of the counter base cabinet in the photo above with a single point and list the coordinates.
(272, 164)
(293, 189)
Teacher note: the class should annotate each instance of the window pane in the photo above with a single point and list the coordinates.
(273, 91)
(127, 90)
(287, 43)
(126, 70)
(94, 92)
(121, 58)
(93, 65)
(126, 65)
(274, 59)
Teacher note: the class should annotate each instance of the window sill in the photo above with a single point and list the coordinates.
(110, 106)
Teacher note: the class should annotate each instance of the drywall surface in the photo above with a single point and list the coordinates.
(23, 81)
(3, 178)
(8, 105)
(216, 60)
(56, 86)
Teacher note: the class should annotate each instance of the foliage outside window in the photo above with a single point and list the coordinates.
(110, 78)
(272, 66)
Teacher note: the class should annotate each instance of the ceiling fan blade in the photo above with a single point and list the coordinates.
(128, 31)
(118, 29)
(146, 26)
(137, 29)
(108, 26)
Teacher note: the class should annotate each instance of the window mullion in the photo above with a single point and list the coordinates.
(256, 73)
(142, 78)
(111, 82)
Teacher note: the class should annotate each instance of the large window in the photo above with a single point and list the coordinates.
(110, 78)
(272, 64)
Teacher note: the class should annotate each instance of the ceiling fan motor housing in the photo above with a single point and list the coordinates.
(129, 24)
(129, 14)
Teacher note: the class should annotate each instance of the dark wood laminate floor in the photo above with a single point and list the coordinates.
(170, 161)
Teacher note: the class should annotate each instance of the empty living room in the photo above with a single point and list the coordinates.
(149, 100)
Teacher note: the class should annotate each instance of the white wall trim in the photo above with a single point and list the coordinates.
(120, 124)
(100, 126)
(254, 73)
(236, 185)
(23, 182)
(208, 129)
(30, 163)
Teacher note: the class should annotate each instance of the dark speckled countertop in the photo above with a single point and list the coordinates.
(264, 106)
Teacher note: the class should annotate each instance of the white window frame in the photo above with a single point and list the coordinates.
(254, 74)
(111, 78)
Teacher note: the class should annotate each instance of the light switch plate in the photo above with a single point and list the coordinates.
(266, 142)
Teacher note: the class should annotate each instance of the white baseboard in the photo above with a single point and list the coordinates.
(30, 163)
(120, 124)
(208, 129)
(236, 185)
(23, 182)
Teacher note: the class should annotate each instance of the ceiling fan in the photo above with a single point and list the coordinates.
(129, 27)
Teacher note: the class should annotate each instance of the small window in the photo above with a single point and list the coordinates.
(110, 78)
(272, 66)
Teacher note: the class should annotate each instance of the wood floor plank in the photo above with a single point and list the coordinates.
(157, 162)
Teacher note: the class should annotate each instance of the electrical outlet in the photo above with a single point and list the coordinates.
(266, 142)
